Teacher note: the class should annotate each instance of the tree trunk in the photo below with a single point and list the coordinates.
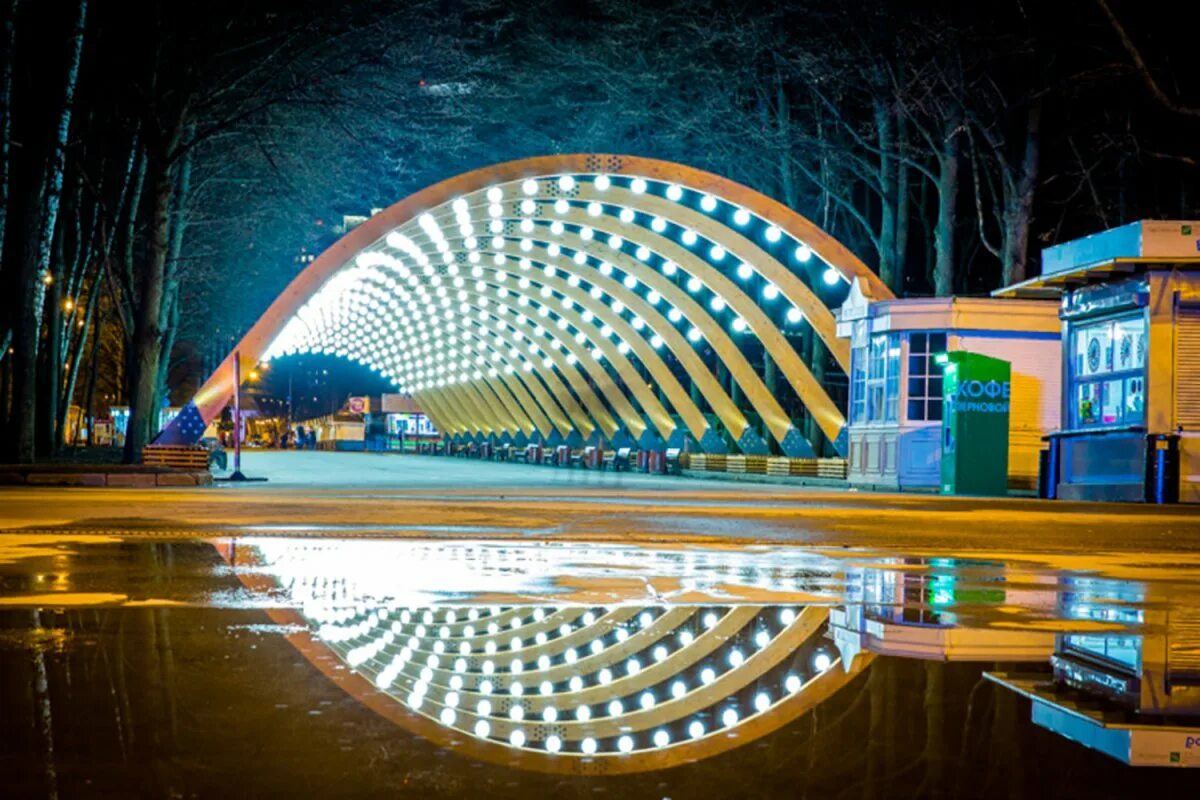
(8, 50)
(1018, 206)
(888, 195)
(76, 359)
(943, 232)
(147, 337)
(89, 394)
(169, 318)
(35, 267)
(50, 380)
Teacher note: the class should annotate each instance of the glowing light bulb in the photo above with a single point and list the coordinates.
(696, 729)
(794, 315)
(773, 234)
(741, 217)
(708, 203)
(529, 186)
(588, 746)
(602, 182)
(637, 186)
(674, 192)
(566, 183)
(831, 276)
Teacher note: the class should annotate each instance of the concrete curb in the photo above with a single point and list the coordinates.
(105, 479)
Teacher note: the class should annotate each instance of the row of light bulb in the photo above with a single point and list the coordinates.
(447, 711)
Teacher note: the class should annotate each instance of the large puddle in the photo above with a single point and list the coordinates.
(276, 665)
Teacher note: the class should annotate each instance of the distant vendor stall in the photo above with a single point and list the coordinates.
(896, 386)
(1130, 309)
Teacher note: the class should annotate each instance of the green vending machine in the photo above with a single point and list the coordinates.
(975, 398)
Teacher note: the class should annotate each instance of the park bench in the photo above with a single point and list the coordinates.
(189, 457)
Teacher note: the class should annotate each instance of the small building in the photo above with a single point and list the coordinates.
(1130, 310)
(1128, 683)
(895, 410)
(908, 609)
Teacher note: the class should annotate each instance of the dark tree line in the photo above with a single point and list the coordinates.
(165, 171)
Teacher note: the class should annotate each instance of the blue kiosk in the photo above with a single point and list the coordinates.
(1130, 311)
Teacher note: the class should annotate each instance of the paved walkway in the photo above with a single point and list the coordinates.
(359, 494)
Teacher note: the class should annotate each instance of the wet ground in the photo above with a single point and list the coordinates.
(294, 665)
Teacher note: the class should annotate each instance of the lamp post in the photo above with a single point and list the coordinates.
(237, 418)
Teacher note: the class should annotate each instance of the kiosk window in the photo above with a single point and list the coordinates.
(924, 377)
(1108, 372)
(882, 383)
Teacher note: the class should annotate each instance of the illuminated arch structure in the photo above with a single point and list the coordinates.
(534, 301)
(559, 688)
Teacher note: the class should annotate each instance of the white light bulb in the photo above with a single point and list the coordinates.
(696, 729)
(495, 194)
(773, 234)
(729, 717)
(602, 182)
(517, 738)
(831, 276)
(794, 315)
(483, 728)
(741, 217)
(553, 744)
(529, 186)
(566, 183)
(588, 746)
(674, 192)
(637, 186)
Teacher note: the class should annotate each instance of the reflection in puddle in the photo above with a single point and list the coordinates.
(435, 669)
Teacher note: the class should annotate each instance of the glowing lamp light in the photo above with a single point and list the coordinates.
(792, 683)
(745, 271)
(739, 325)
(529, 186)
(803, 253)
(770, 291)
(588, 746)
(822, 661)
(661, 738)
(741, 217)
(566, 183)
(517, 738)
(602, 182)
(696, 729)
(674, 192)
(831, 276)
(625, 744)
(794, 315)
(638, 186)
(708, 203)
